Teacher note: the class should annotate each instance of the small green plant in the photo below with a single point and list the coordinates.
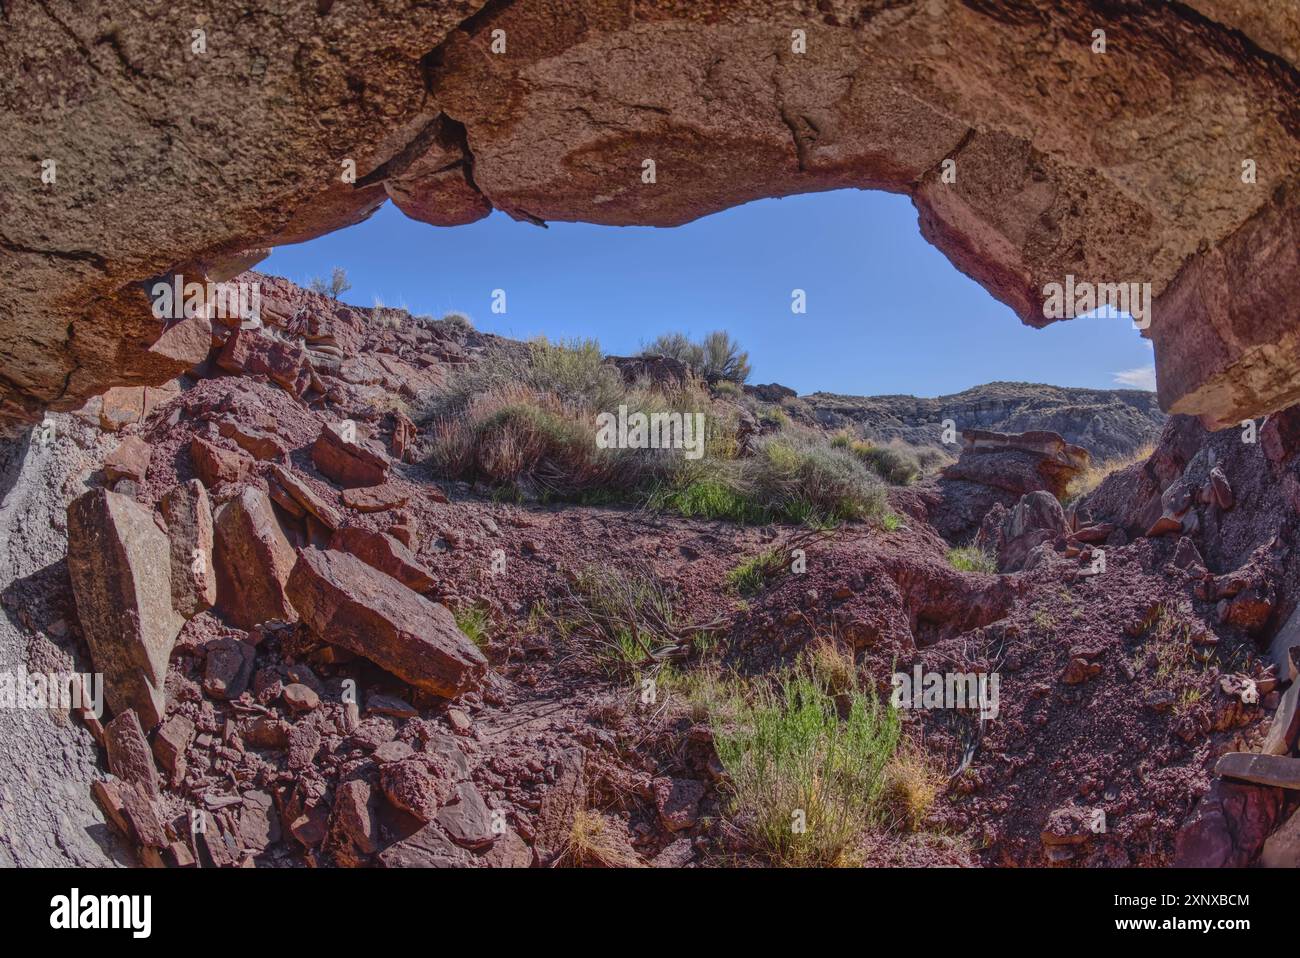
(805, 782)
(751, 574)
(891, 522)
(972, 559)
(774, 416)
(476, 624)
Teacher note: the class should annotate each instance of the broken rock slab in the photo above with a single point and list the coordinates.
(350, 462)
(129, 755)
(347, 603)
(253, 561)
(385, 553)
(189, 527)
(120, 566)
(1276, 770)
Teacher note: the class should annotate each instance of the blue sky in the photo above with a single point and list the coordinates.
(886, 312)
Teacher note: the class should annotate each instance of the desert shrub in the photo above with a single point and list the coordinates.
(912, 783)
(775, 416)
(804, 781)
(716, 357)
(593, 844)
(630, 617)
(895, 463)
(804, 479)
(458, 321)
(725, 387)
(972, 559)
(338, 283)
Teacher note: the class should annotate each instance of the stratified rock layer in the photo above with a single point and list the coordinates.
(1167, 158)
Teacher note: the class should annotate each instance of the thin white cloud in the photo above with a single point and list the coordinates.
(1143, 377)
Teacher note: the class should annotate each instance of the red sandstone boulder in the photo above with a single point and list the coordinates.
(215, 465)
(189, 530)
(1018, 462)
(121, 406)
(386, 554)
(259, 443)
(253, 561)
(1228, 827)
(347, 603)
(130, 460)
(120, 565)
(350, 462)
(297, 491)
(250, 352)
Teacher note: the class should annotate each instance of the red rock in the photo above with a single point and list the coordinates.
(304, 743)
(215, 465)
(409, 786)
(459, 721)
(267, 733)
(108, 794)
(390, 705)
(350, 463)
(250, 352)
(299, 698)
(1220, 490)
(386, 554)
(375, 498)
(678, 801)
(1228, 827)
(467, 821)
(1018, 462)
(311, 827)
(509, 851)
(345, 602)
(184, 344)
(259, 826)
(1261, 769)
(189, 530)
(427, 848)
(306, 497)
(129, 756)
(121, 406)
(144, 824)
(119, 563)
(130, 460)
(257, 442)
(169, 745)
(1282, 733)
(560, 804)
(394, 751)
(404, 437)
(253, 561)
(353, 828)
(228, 668)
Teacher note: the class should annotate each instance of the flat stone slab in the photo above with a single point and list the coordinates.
(1260, 769)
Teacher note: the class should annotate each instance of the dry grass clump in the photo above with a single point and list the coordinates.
(912, 784)
(1096, 472)
(593, 844)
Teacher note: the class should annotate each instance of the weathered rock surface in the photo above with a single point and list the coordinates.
(189, 530)
(386, 554)
(348, 603)
(1018, 462)
(119, 562)
(349, 462)
(1055, 153)
(253, 561)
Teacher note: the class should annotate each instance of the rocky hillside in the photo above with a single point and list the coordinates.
(1109, 423)
(320, 649)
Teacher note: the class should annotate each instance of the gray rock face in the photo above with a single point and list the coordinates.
(1109, 423)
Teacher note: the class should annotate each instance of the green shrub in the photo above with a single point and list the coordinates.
(476, 625)
(716, 357)
(896, 464)
(750, 575)
(972, 559)
(805, 782)
(803, 478)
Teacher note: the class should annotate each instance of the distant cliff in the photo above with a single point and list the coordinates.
(1109, 423)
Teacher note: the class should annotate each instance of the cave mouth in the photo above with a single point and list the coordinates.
(833, 292)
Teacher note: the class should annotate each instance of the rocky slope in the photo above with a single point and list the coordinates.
(321, 653)
(1165, 154)
(1109, 423)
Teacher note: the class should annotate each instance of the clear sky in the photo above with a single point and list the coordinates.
(886, 312)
